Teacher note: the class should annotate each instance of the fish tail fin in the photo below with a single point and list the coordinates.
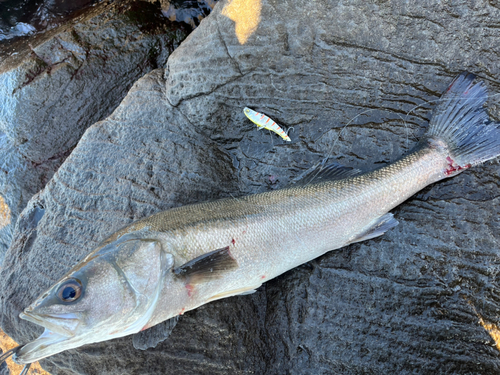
(462, 123)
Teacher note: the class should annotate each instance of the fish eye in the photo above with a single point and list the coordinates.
(70, 291)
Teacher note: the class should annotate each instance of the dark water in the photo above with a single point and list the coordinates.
(188, 11)
(21, 19)
(23, 23)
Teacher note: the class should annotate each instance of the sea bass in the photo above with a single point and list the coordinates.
(174, 261)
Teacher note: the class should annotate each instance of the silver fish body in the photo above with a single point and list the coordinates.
(271, 233)
(172, 262)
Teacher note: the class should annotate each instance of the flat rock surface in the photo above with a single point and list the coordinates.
(420, 300)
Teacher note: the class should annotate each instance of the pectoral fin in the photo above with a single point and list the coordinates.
(207, 267)
(382, 225)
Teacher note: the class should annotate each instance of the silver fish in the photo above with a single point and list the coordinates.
(172, 262)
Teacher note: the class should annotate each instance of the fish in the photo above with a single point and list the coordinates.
(157, 268)
(264, 122)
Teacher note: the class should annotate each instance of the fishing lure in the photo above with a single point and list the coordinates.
(264, 122)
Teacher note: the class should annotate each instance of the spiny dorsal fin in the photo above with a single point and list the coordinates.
(151, 337)
(382, 225)
(207, 267)
(331, 172)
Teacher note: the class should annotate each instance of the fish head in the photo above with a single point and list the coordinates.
(112, 293)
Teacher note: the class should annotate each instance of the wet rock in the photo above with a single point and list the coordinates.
(421, 299)
(66, 84)
(15, 17)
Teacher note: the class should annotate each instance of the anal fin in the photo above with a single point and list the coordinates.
(382, 225)
(207, 267)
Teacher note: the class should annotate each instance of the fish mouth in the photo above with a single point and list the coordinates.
(43, 346)
(57, 337)
(63, 324)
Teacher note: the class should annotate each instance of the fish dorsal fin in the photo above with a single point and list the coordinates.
(382, 225)
(151, 337)
(206, 267)
(331, 172)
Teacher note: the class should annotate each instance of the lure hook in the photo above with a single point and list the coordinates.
(25, 369)
(11, 352)
(8, 353)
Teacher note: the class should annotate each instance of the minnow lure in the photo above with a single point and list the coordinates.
(264, 122)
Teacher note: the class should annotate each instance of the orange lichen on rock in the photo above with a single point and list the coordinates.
(6, 343)
(4, 213)
(246, 16)
(492, 329)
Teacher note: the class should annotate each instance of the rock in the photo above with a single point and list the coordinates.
(421, 299)
(144, 158)
(67, 83)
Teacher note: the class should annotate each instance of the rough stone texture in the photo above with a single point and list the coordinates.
(144, 158)
(19, 180)
(406, 303)
(66, 84)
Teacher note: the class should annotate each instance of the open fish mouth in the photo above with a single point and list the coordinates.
(43, 346)
(63, 324)
(59, 329)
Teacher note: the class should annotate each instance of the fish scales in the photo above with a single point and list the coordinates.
(279, 230)
(162, 266)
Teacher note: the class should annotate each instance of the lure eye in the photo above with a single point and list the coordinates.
(70, 291)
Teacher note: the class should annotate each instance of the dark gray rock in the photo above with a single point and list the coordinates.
(144, 158)
(67, 83)
(19, 180)
(405, 303)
